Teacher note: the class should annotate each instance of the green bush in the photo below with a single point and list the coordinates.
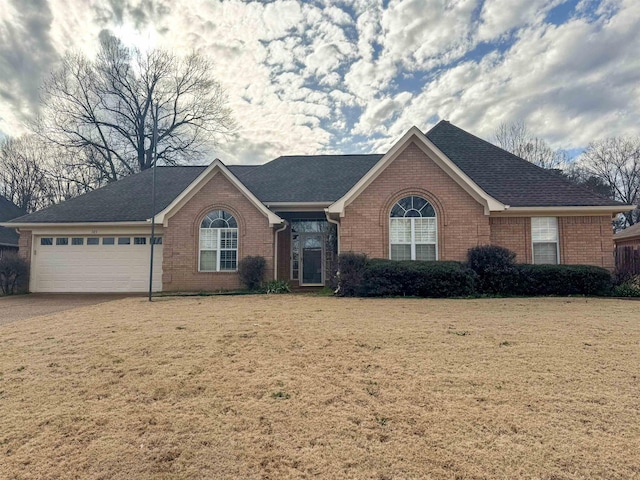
(277, 286)
(494, 266)
(628, 288)
(14, 274)
(560, 280)
(251, 271)
(384, 278)
(349, 272)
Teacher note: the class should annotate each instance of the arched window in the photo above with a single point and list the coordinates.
(218, 242)
(413, 230)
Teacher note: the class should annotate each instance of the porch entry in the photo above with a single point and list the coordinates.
(313, 248)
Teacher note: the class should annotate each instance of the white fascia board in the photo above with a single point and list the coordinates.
(415, 135)
(565, 210)
(195, 186)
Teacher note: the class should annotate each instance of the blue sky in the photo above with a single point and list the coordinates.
(352, 76)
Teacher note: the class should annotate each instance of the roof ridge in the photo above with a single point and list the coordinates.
(541, 169)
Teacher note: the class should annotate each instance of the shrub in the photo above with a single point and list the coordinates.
(251, 271)
(14, 273)
(419, 279)
(349, 272)
(494, 266)
(561, 280)
(628, 288)
(277, 286)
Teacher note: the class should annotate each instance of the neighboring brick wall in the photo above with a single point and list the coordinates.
(24, 244)
(513, 233)
(462, 223)
(587, 241)
(181, 242)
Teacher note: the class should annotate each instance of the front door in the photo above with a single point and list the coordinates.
(311, 259)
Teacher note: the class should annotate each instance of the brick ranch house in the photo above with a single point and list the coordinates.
(430, 197)
(8, 236)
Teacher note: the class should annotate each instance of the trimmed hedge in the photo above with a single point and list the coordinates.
(560, 280)
(494, 266)
(389, 278)
(359, 276)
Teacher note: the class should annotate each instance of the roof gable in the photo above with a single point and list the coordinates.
(629, 232)
(414, 135)
(216, 168)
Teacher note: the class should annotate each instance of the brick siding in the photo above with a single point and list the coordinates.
(461, 220)
(181, 238)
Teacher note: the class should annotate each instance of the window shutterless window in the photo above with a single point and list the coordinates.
(46, 241)
(218, 242)
(108, 241)
(93, 241)
(62, 241)
(157, 241)
(544, 236)
(413, 230)
(77, 241)
(139, 240)
(124, 240)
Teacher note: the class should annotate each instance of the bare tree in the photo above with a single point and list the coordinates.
(35, 173)
(616, 162)
(105, 108)
(23, 180)
(516, 138)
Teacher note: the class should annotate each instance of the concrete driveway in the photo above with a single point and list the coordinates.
(21, 307)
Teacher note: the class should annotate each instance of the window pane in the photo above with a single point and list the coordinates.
(400, 252)
(139, 240)
(400, 230)
(93, 241)
(208, 239)
(77, 241)
(228, 259)
(229, 238)
(425, 230)
(544, 229)
(62, 241)
(426, 252)
(545, 253)
(124, 241)
(208, 261)
(157, 240)
(108, 241)
(46, 241)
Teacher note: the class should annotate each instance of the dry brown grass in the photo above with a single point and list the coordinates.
(300, 387)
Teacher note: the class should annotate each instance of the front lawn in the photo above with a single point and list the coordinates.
(288, 386)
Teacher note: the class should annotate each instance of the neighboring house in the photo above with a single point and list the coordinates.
(8, 236)
(628, 249)
(431, 197)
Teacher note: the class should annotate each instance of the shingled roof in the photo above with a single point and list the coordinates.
(325, 179)
(8, 211)
(508, 178)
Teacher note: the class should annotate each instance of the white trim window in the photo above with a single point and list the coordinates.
(218, 243)
(413, 230)
(544, 237)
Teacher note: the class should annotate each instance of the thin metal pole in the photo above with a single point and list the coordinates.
(153, 198)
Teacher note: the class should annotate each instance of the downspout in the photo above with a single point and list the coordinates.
(336, 223)
(275, 250)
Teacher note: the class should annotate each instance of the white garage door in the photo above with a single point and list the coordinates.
(94, 264)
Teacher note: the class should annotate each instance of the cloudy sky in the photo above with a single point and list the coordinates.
(352, 76)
